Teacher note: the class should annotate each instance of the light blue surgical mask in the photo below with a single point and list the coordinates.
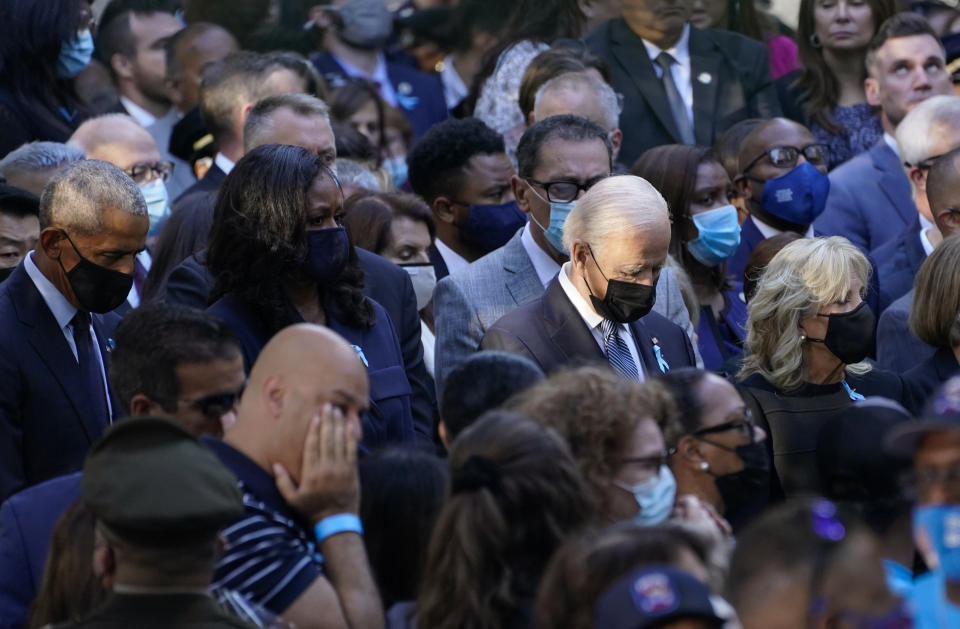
(559, 211)
(75, 55)
(655, 497)
(936, 531)
(397, 167)
(158, 203)
(719, 235)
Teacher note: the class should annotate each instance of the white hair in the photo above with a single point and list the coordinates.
(613, 206)
(919, 129)
(76, 196)
(38, 156)
(584, 85)
(354, 173)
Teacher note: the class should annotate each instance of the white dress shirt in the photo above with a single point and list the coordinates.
(143, 117)
(451, 258)
(379, 77)
(926, 226)
(770, 231)
(63, 311)
(593, 320)
(224, 163)
(892, 143)
(454, 89)
(545, 266)
(681, 70)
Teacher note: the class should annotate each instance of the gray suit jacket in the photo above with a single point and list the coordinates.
(471, 300)
(182, 177)
(898, 350)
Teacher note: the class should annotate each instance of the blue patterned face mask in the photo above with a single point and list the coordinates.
(655, 497)
(719, 235)
(799, 196)
(75, 55)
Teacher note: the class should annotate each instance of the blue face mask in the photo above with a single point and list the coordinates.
(158, 204)
(558, 216)
(798, 197)
(328, 251)
(655, 497)
(936, 531)
(719, 235)
(397, 167)
(75, 55)
(491, 226)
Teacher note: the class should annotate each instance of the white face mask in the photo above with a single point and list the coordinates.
(158, 203)
(424, 280)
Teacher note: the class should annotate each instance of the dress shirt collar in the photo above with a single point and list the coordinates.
(769, 231)
(143, 117)
(63, 311)
(587, 313)
(680, 51)
(454, 88)
(379, 74)
(543, 264)
(925, 226)
(224, 163)
(451, 258)
(892, 143)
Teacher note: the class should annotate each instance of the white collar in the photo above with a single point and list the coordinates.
(925, 226)
(769, 231)
(454, 87)
(892, 143)
(224, 163)
(63, 311)
(586, 311)
(143, 117)
(379, 74)
(545, 266)
(451, 258)
(680, 50)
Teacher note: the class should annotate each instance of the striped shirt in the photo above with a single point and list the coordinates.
(270, 556)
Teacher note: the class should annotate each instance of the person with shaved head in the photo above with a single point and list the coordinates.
(783, 181)
(298, 549)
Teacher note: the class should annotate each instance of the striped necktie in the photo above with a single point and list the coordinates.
(617, 351)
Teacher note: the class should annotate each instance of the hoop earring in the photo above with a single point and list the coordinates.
(815, 41)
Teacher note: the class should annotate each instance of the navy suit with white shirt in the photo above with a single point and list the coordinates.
(899, 260)
(48, 417)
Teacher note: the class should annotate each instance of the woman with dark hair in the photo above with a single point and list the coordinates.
(515, 495)
(551, 63)
(400, 228)
(705, 232)
(832, 36)
(358, 104)
(279, 256)
(44, 46)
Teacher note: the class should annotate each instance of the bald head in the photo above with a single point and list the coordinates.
(771, 133)
(116, 138)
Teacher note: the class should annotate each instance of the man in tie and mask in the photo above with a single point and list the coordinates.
(54, 343)
(598, 308)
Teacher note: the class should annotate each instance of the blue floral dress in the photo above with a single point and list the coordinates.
(861, 129)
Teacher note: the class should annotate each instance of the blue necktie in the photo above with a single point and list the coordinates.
(617, 351)
(90, 374)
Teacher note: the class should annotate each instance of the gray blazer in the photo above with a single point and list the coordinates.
(471, 300)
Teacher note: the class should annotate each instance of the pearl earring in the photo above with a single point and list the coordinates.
(704, 466)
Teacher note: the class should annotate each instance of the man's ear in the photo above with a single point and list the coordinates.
(579, 254)
(52, 241)
(443, 210)
(616, 140)
(918, 177)
(273, 396)
(122, 66)
(742, 185)
(520, 190)
(871, 87)
(948, 222)
(141, 405)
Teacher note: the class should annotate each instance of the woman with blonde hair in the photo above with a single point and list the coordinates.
(808, 332)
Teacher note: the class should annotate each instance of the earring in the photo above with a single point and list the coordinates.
(815, 41)
(803, 338)
(704, 466)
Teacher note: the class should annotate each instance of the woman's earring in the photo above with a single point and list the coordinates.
(704, 466)
(815, 41)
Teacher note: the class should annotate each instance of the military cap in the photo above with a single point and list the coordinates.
(148, 478)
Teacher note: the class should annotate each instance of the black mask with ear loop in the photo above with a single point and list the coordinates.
(747, 492)
(849, 334)
(97, 288)
(624, 302)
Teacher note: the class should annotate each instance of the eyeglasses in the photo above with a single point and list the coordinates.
(743, 423)
(787, 156)
(215, 405)
(143, 173)
(565, 191)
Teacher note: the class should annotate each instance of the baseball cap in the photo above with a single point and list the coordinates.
(652, 595)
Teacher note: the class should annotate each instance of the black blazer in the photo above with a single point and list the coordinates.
(47, 419)
(550, 331)
(210, 183)
(920, 382)
(730, 76)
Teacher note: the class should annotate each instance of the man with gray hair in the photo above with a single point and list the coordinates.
(930, 130)
(54, 343)
(598, 308)
(581, 94)
(32, 165)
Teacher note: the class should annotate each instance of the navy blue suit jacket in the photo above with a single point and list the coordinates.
(920, 382)
(47, 419)
(27, 520)
(419, 95)
(390, 419)
(750, 237)
(870, 200)
(897, 263)
(550, 332)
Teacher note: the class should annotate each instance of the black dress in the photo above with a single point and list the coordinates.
(793, 419)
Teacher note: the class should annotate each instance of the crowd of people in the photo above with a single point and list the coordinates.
(479, 314)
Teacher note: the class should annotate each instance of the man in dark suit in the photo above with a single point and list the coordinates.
(168, 360)
(716, 78)
(598, 308)
(870, 200)
(54, 400)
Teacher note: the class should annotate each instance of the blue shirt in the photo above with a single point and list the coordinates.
(270, 556)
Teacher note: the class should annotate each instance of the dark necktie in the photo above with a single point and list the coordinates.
(90, 374)
(617, 351)
(677, 107)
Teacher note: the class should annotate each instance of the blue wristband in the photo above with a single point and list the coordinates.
(340, 523)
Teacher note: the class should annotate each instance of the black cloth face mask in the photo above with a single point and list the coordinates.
(98, 289)
(745, 493)
(849, 334)
(624, 302)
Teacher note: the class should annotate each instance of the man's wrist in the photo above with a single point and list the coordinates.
(335, 524)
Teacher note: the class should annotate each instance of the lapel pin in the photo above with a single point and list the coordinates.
(705, 78)
(405, 88)
(111, 344)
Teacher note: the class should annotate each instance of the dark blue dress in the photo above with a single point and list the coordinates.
(721, 339)
(861, 130)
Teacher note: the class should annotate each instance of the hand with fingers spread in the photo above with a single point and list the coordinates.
(329, 482)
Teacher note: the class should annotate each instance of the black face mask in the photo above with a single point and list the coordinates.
(849, 334)
(98, 289)
(747, 492)
(5, 273)
(624, 302)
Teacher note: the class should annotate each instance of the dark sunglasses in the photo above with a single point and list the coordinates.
(787, 156)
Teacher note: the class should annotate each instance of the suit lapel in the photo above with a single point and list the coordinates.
(632, 55)
(750, 233)
(566, 328)
(645, 347)
(893, 182)
(522, 281)
(705, 62)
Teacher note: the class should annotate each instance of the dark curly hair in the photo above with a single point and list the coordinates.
(259, 240)
(437, 160)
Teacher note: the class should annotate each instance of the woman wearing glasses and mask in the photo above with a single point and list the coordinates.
(808, 332)
(717, 453)
(279, 256)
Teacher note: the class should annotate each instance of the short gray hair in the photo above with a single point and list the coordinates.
(584, 83)
(259, 121)
(354, 173)
(76, 196)
(38, 156)
(613, 205)
(916, 132)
